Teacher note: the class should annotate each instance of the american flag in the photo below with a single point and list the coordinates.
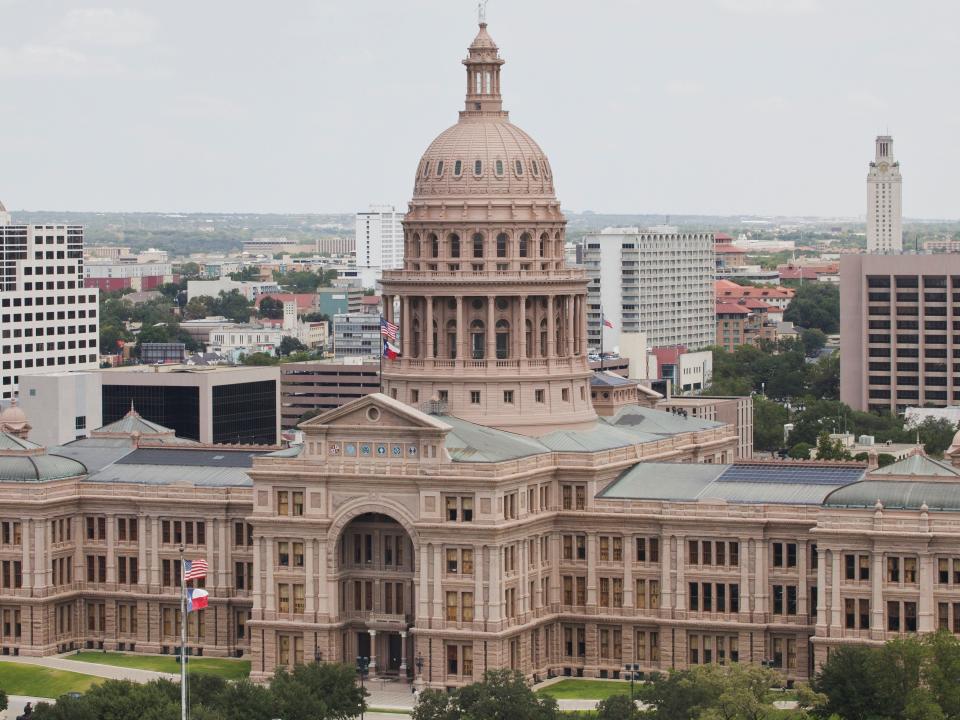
(388, 329)
(194, 569)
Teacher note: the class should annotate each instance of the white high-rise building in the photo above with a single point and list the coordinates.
(48, 320)
(379, 243)
(657, 281)
(884, 208)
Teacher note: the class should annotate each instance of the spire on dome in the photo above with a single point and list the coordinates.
(483, 63)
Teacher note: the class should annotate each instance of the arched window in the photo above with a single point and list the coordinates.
(457, 168)
(452, 339)
(478, 340)
(558, 344)
(502, 245)
(426, 169)
(525, 245)
(503, 339)
(499, 168)
(478, 167)
(434, 246)
(543, 244)
(478, 245)
(439, 168)
(529, 338)
(415, 245)
(518, 166)
(415, 350)
(536, 168)
(454, 246)
(543, 338)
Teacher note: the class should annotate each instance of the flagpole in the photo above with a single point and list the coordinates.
(183, 639)
(382, 341)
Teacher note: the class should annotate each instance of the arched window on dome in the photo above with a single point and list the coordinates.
(544, 245)
(518, 168)
(426, 169)
(499, 168)
(503, 339)
(415, 245)
(478, 245)
(478, 340)
(524, 244)
(454, 246)
(457, 168)
(452, 339)
(502, 241)
(529, 338)
(478, 167)
(439, 168)
(478, 83)
(535, 168)
(543, 338)
(434, 246)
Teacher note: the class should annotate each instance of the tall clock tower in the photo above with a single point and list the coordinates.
(884, 209)
(493, 322)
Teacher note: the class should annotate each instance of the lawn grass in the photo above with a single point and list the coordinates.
(36, 681)
(586, 689)
(222, 667)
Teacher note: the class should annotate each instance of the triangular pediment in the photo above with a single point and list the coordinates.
(375, 411)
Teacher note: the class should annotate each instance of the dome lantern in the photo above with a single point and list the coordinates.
(483, 63)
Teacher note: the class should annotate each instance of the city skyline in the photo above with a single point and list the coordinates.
(170, 116)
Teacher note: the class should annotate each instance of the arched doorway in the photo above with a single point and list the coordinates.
(375, 570)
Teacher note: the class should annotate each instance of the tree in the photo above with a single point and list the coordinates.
(813, 340)
(258, 358)
(248, 272)
(769, 417)
(500, 695)
(3, 700)
(815, 305)
(290, 345)
(800, 451)
(618, 707)
(680, 695)
(189, 270)
(271, 308)
(198, 307)
(884, 459)
(823, 377)
(936, 434)
(829, 449)
(317, 691)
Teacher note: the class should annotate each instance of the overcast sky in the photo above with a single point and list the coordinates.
(700, 106)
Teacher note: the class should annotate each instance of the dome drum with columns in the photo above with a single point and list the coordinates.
(493, 323)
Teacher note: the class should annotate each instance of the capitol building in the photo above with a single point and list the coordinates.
(498, 505)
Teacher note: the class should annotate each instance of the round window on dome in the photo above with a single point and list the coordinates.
(458, 168)
(478, 167)
(499, 168)
(519, 168)
(439, 168)
(535, 168)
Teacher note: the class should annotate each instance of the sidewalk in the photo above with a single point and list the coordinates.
(61, 662)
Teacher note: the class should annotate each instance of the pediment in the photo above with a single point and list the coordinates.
(375, 412)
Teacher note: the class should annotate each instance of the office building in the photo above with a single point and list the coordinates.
(62, 406)
(884, 201)
(169, 352)
(117, 274)
(212, 405)
(48, 320)
(344, 297)
(657, 283)
(379, 243)
(735, 411)
(899, 337)
(356, 335)
(315, 386)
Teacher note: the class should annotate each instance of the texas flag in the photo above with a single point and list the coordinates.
(391, 352)
(196, 599)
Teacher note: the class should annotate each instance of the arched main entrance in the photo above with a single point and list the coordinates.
(375, 565)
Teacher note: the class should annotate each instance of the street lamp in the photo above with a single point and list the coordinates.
(363, 668)
(317, 655)
(633, 673)
(418, 662)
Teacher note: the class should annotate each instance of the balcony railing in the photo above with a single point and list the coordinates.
(457, 276)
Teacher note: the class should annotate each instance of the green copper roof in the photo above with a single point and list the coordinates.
(918, 465)
(12, 442)
(38, 468)
(898, 495)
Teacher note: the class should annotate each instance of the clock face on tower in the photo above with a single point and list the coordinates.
(883, 167)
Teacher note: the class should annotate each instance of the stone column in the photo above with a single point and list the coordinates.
(666, 590)
(326, 601)
(551, 329)
(111, 549)
(143, 579)
(835, 609)
(926, 612)
(308, 607)
(405, 332)
(802, 578)
(680, 600)
(491, 353)
(403, 653)
(876, 595)
(522, 331)
(495, 603)
(26, 572)
(267, 545)
(629, 546)
(423, 597)
(569, 324)
(760, 582)
(373, 653)
(592, 569)
(42, 563)
(155, 552)
(478, 604)
(462, 333)
(746, 601)
(821, 592)
(223, 537)
(429, 349)
(438, 605)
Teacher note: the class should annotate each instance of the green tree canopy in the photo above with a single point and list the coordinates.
(815, 305)
(500, 695)
(769, 417)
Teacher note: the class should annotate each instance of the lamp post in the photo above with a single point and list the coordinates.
(418, 662)
(633, 673)
(317, 656)
(363, 667)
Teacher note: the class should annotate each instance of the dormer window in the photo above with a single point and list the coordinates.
(439, 168)
(478, 167)
(499, 168)
(535, 167)
(519, 168)
(426, 169)
(457, 168)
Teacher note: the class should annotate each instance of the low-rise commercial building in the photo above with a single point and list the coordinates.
(321, 385)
